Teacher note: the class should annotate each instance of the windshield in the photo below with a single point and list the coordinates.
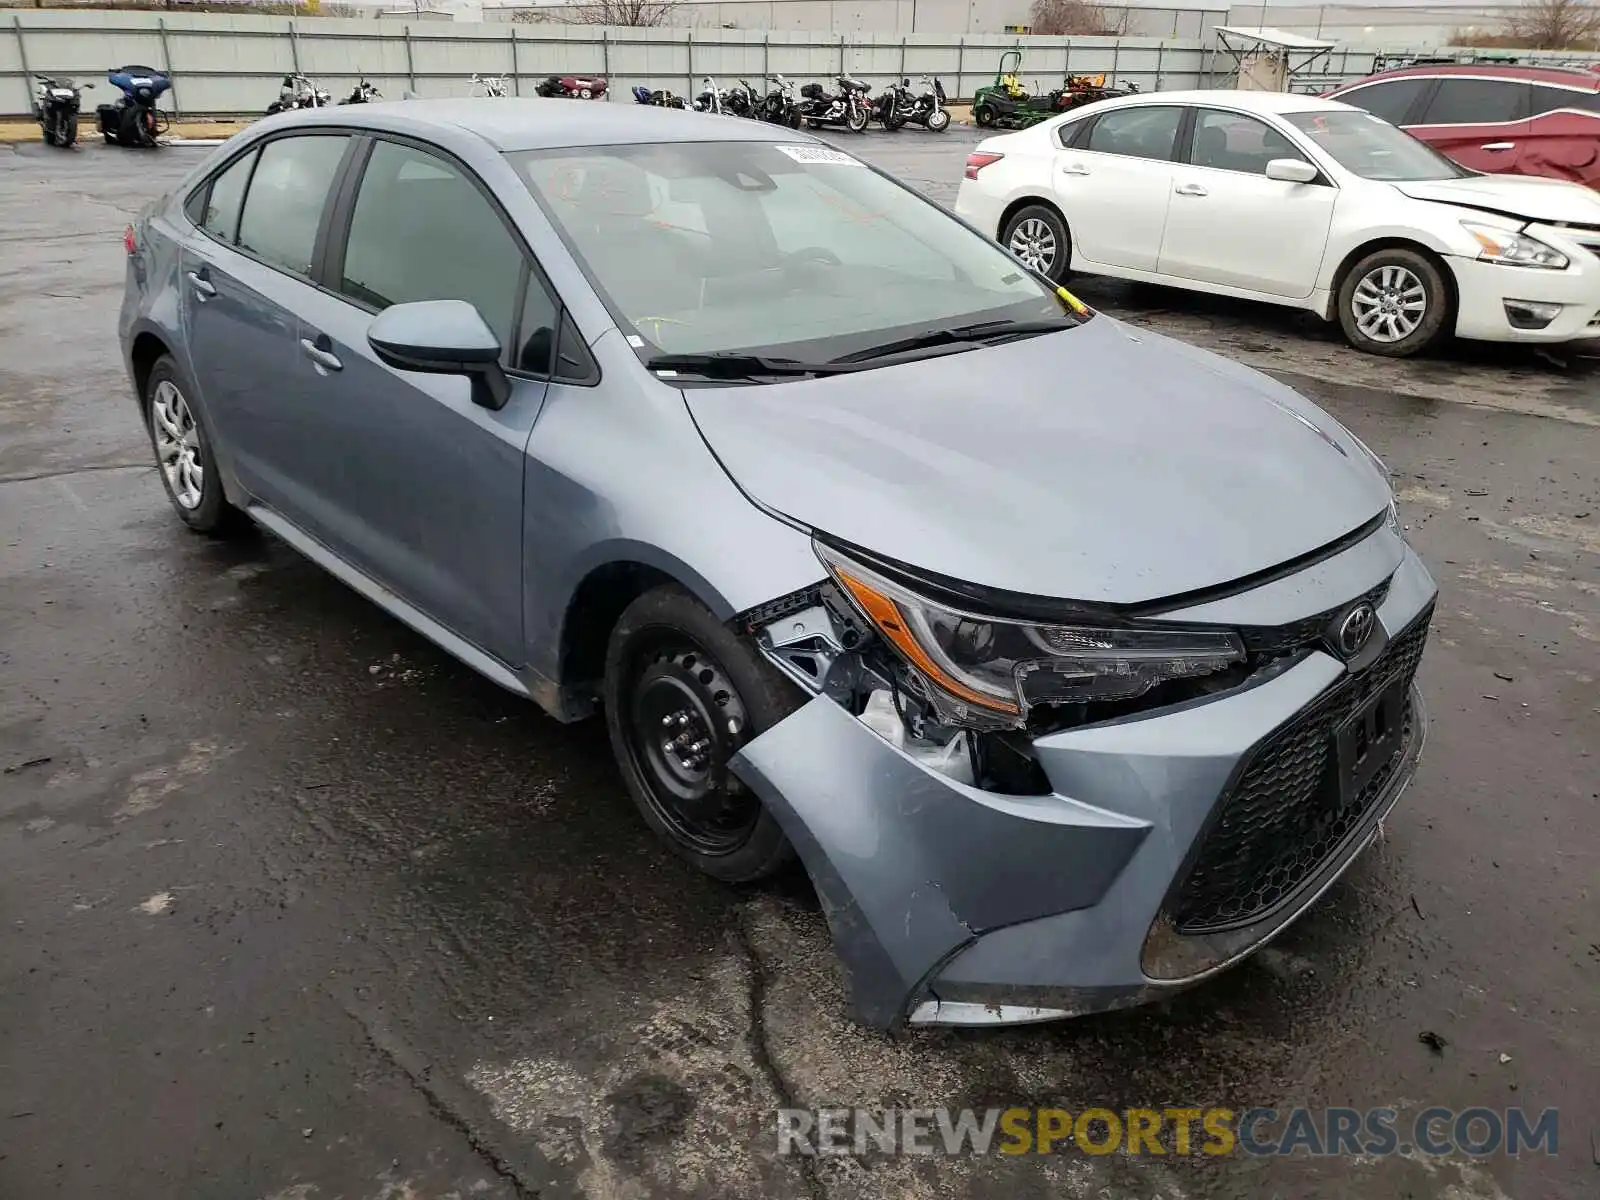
(1372, 148)
(736, 247)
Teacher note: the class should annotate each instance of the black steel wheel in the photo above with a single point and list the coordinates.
(682, 695)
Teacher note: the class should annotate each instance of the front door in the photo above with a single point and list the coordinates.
(1229, 224)
(414, 483)
(1114, 185)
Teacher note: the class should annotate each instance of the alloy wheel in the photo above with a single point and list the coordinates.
(177, 442)
(684, 723)
(1034, 242)
(1389, 304)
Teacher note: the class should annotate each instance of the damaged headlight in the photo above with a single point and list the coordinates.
(1002, 668)
(1511, 249)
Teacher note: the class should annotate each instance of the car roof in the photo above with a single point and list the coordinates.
(1260, 102)
(1572, 77)
(514, 123)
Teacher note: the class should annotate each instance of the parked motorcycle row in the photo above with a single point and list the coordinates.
(850, 107)
(134, 120)
(299, 91)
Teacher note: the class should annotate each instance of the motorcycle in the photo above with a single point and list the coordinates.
(892, 105)
(660, 98)
(741, 101)
(850, 107)
(711, 99)
(298, 91)
(56, 108)
(779, 105)
(571, 87)
(927, 108)
(134, 120)
(496, 86)
(363, 93)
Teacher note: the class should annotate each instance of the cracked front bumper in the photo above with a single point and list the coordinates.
(953, 905)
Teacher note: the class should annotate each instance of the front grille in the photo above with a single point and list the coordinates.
(1308, 631)
(1285, 817)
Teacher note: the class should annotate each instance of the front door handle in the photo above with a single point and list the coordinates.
(1499, 146)
(1191, 189)
(1074, 169)
(202, 285)
(321, 354)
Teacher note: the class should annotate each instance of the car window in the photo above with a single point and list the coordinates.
(287, 194)
(1391, 100)
(1231, 142)
(1372, 148)
(1145, 131)
(421, 230)
(796, 250)
(219, 213)
(1548, 99)
(536, 334)
(1477, 102)
(1072, 133)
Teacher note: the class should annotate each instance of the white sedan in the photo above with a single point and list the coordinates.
(1298, 201)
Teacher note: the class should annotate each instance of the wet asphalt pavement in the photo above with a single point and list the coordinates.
(296, 907)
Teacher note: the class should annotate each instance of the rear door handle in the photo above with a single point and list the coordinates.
(1191, 189)
(1499, 146)
(202, 285)
(1074, 169)
(321, 354)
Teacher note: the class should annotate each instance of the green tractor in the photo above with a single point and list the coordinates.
(1006, 104)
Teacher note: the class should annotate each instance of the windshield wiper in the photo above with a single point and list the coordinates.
(730, 365)
(978, 331)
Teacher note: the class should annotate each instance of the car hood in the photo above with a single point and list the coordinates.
(1101, 464)
(1530, 197)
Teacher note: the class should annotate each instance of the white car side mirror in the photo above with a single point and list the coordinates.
(1291, 170)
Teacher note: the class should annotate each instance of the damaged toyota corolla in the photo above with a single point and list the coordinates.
(1071, 662)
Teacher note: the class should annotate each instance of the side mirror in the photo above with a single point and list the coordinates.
(442, 337)
(1291, 170)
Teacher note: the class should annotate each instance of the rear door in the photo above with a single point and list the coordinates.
(1482, 123)
(1114, 183)
(1229, 224)
(1564, 135)
(245, 273)
(412, 482)
(245, 269)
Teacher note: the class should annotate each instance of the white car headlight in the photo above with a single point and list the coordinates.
(996, 668)
(1514, 249)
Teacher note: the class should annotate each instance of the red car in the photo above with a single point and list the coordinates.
(1498, 119)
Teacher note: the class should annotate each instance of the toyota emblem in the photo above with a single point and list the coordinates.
(1355, 630)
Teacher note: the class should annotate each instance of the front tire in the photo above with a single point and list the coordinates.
(983, 115)
(67, 131)
(1394, 303)
(856, 120)
(682, 694)
(939, 121)
(184, 457)
(1038, 237)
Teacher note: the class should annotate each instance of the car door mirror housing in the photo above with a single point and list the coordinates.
(442, 337)
(1292, 170)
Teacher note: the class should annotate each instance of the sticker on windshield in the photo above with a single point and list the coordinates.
(819, 154)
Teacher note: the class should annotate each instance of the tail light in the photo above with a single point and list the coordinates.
(129, 242)
(978, 160)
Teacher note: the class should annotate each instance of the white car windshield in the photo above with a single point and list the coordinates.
(753, 247)
(1372, 148)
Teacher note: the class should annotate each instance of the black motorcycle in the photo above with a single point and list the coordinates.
(779, 105)
(363, 93)
(660, 98)
(135, 120)
(926, 108)
(297, 91)
(849, 107)
(56, 107)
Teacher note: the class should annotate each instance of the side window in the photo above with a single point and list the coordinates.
(1548, 99)
(1392, 100)
(1073, 133)
(1145, 131)
(287, 194)
(1232, 142)
(536, 334)
(421, 230)
(215, 208)
(1478, 102)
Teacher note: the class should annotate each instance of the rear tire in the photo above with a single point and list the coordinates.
(1038, 237)
(184, 457)
(675, 672)
(1394, 303)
